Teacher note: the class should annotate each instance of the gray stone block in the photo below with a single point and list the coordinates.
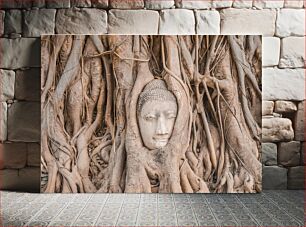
(290, 22)
(277, 129)
(7, 81)
(274, 177)
(27, 85)
(38, 22)
(99, 3)
(289, 153)
(13, 155)
(16, 4)
(126, 4)
(267, 107)
(26, 180)
(81, 21)
(13, 22)
(55, 4)
(269, 154)
(303, 160)
(159, 4)
(285, 107)
(296, 178)
(24, 122)
(39, 3)
(80, 3)
(3, 121)
(2, 15)
(208, 22)
(20, 53)
(34, 154)
(299, 122)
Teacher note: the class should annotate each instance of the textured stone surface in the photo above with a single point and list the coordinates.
(267, 107)
(81, 21)
(292, 52)
(126, 4)
(159, 4)
(39, 3)
(269, 154)
(2, 14)
(15, 4)
(55, 4)
(3, 121)
(13, 155)
(296, 177)
(7, 81)
(177, 21)
(139, 22)
(289, 153)
(19, 53)
(191, 4)
(208, 22)
(24, 122)
(299, 122)
(293, 4)
(13, 21)
(270, 51)
(27, 85)
(248, 21)
(221, 4)
(260, 4)
(80, 3)
(38, 21)
(303, 160)
(285, 106)
(99, 3)
(283, 84)
(26, 180)
(290, 22)
(242, 4)
(274, 177)
(276, 129)
(33, 158)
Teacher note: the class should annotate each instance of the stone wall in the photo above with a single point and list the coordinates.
(282, 22)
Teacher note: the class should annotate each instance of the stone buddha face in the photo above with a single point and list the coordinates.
(156, 113)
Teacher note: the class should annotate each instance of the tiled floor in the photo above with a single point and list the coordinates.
(270, 208)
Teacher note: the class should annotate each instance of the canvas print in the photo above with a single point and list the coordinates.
(150, 114)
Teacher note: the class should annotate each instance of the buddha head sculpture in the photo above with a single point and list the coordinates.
(156, 113)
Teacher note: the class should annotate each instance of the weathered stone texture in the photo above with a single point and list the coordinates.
(177, 21)
(39, 3)
(7, 81)
(138, 22)
(303, 160)
(2, 15)
(81, 21)
(26, 180)
(242, 4)
(299, 122)
(285, 107)
(248, 21)
(99, 3)
(33, 158)
(270, 51)
(13, 22)
(191, 4)
(283, 84)
(274, 177)
(269, 154)
(3, 121)
(55, 4)
(277, 129)
(13, 155)
(292, 52)
(80, 3)
(296, 177)
(208, 22)
(289, 153)
(126, 4)
(39, 21)
(293, 4)
(221, 4)
(16, 4)
(18, 53)
(24, 122)
(290, 22)
(27, 86)
(267, 107)
(261, 4)
(159, 4)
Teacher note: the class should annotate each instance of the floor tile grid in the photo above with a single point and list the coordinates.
(211, 210)
(165, 205)
(184, 213)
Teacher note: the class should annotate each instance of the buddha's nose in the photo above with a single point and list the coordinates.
(161, 128)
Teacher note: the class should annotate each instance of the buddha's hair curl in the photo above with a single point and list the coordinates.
(156, 90)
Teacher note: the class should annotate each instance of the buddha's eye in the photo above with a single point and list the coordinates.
(171, 115)
(150, 117)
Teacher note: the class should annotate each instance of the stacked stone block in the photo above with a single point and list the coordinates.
(282, 22)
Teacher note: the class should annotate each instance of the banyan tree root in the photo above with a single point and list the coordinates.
(91, 136)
